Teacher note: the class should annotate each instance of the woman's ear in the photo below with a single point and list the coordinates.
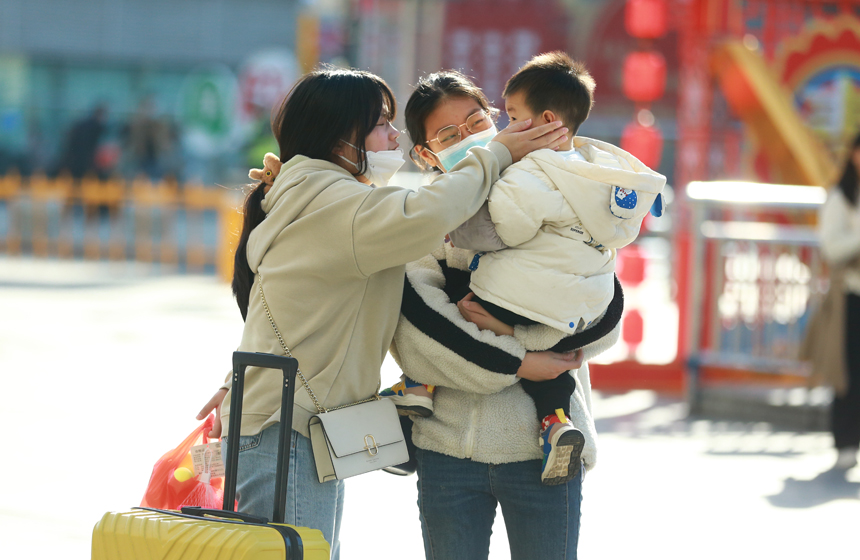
(426, 156)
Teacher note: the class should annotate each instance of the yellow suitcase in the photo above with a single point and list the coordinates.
(142, 534)
(196, 533)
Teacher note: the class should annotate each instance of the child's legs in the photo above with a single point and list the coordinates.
(550, 395)
(547, 395)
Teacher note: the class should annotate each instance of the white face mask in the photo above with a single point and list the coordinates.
(449, 157)
(381, 166)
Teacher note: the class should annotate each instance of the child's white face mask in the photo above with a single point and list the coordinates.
(449, 157)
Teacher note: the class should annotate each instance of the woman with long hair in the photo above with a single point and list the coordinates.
(326, 240)
(839, 224)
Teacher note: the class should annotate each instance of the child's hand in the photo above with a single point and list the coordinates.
(214, 404)
(546, 365)
(475, 313)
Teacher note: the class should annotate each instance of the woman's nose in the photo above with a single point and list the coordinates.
(393, 132)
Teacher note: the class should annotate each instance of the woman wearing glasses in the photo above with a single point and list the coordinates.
(479, 448)
(328, 241)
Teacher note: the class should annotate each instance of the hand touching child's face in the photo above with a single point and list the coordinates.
(518, 111)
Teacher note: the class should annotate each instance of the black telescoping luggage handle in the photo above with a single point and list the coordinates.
(202, 512)
(289, 366)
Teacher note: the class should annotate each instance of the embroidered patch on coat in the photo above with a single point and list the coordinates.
(622, 203)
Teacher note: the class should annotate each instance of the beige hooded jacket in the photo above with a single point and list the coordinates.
(332, 253)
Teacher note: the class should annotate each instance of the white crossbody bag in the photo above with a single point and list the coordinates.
(353, 438)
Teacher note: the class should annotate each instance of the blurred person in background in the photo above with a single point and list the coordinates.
(328, 241)
(81, 144)
(149, 141)
(833, 335)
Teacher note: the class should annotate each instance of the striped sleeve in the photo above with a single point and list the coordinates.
(458, 336)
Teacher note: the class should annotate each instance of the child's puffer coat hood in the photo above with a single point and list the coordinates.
(614, 217)
(563, 215)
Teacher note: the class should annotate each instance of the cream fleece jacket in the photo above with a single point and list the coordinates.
(480, 411)
(332, 253)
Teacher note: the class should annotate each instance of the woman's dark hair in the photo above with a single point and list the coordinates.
(324, 108)
(850, 177)
(428, 94)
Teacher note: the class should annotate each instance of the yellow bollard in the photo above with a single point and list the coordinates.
(91, 199)
(65, 184)
(44, 192)
(10, 187)
(168, 197)
(143, 198)
(230, 219)
(197, 200)
(10, 184)
(114, 195)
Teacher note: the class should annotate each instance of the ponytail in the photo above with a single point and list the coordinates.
(243, 277)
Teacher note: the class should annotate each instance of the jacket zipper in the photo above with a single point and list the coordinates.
(470, 440)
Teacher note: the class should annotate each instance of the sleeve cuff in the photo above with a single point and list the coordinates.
(502, 154)
(536, 338)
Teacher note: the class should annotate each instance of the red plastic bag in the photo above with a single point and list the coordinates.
(169, 489)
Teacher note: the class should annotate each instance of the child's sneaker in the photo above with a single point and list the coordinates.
(411, 398)
(562, 449)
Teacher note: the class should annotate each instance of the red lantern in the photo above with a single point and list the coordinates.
(644, 78)
(631, 266)
(644, 142)
(646, 19)
(632, 329)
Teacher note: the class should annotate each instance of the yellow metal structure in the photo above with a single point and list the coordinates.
(795, 155)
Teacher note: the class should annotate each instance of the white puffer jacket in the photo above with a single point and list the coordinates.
(563, 215)
(480, 411)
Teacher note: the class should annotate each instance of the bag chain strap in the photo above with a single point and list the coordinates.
(320, 408)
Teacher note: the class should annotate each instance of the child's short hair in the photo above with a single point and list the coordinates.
(555, 82)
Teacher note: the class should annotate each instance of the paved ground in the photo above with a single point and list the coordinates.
(104, 367)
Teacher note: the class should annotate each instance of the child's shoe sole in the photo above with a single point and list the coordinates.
(565, 458)
(413, 405)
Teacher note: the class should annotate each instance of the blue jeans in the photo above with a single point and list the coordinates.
(309, 503)
(457, 501)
